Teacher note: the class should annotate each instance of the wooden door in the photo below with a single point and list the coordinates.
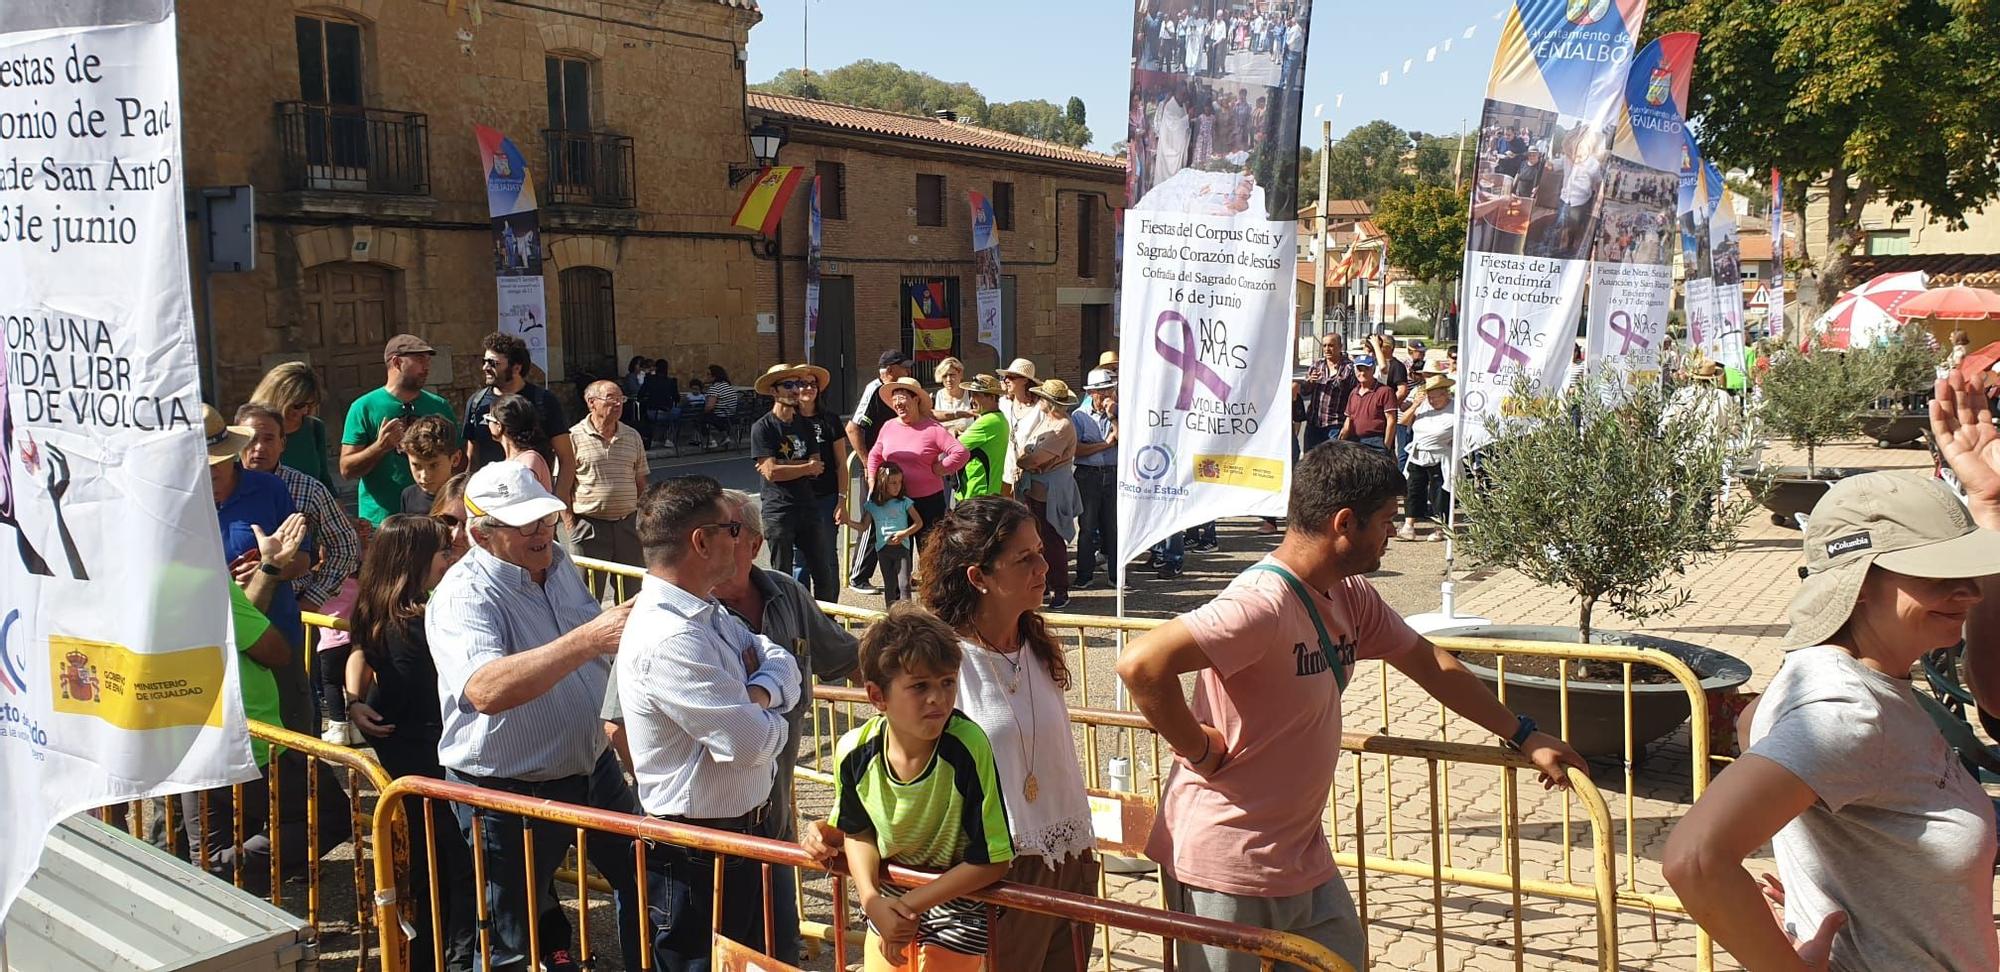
(348, 311)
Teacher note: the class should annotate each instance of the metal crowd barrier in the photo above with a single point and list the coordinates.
(1268, 946)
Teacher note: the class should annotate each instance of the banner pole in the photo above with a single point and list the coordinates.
(1319, 252)
(1447, 613)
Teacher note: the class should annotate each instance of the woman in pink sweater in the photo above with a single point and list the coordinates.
(924, 449)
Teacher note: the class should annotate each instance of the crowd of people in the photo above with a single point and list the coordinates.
(478, 653)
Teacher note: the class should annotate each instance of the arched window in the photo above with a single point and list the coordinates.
(589, 323)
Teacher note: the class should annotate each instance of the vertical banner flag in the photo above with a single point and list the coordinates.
(1210, 251)
(986, 275)
(1552, 111)
(1774, 318)
(517, 243)
(104, 489)
(814, 227)
(1697, 279)
(1631, 263)
(1725, 262)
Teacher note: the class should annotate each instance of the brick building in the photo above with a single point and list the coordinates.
(353, 120)
(896, 213)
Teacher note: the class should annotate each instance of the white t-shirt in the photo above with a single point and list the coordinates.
(1901, 837)
(1431, 431)
(1056, 824)
(1580, 183)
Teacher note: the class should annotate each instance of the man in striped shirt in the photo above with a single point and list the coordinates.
(610, 476)
(704, 702)
(522, 657)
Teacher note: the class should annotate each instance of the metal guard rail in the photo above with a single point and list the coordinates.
(1264, 943)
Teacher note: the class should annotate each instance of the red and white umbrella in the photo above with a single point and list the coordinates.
(1869, 311)
(1952, 304)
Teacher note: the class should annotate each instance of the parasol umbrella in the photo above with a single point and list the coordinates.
(1952, 304)
(1861, 315)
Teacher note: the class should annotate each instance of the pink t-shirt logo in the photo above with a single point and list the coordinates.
(1315, 661)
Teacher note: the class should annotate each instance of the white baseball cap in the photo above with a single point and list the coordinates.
(509, 492)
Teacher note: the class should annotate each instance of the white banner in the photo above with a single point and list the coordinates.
(1204, 386)
(103, 485)
(1526, 319)
(1633, 301)
(1726, 261)
(1703, 334)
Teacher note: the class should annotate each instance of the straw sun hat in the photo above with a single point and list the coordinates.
(1902, 523)
(1055, 391)
(782, 372)
(915, 388)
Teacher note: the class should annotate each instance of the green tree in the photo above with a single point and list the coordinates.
(1440, 160)
(1426, 230)
(1865, 99)
(1367, 162)
(1817, 397)
(892, 87)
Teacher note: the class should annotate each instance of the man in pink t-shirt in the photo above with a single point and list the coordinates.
(1239, 833)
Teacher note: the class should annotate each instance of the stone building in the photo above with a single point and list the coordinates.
(896, 215)
(353, 120)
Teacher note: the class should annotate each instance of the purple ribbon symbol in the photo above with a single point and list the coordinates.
(1621, 325)
(1503, 352)
(1184, 357)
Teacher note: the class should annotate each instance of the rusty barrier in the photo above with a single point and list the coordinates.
(1268, 946)
(219, 838)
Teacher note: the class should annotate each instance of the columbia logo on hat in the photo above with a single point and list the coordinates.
(1849, 544)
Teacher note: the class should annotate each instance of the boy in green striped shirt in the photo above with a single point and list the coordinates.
(916, 786)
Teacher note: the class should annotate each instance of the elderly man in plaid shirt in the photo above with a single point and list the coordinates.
(1323, 392)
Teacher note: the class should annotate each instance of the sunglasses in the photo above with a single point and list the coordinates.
(735, 528)
(793, 385)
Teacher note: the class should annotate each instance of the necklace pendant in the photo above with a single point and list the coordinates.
(1030, 788)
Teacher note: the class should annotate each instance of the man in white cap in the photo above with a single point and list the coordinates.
(523, 653)
(1096, 424)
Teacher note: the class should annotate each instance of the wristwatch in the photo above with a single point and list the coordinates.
(269, 568)
(1524, 726)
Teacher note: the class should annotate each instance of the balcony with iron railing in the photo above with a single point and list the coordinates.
(590, 169)
(349, 149)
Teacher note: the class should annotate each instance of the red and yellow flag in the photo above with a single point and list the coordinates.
(764, 204)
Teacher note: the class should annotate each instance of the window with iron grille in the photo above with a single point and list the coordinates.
(832, 189)
(930, 200)
(589, 322)
(1086, 236)
(1003, 205)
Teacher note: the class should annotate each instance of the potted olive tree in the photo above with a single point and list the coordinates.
(1905, 367)
(1813, 398)
(1613, 498)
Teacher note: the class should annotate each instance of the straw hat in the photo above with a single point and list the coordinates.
(1019, 367)
(224, 441)
(1055, 391)
(1706, 371)
(914, 387)
(1108, 359)
(1904, 523)
(780, 372)
(984, 384)
(1438, 383)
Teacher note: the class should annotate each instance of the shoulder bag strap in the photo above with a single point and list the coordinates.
(1326, 645)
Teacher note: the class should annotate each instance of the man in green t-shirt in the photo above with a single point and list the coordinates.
(986, 438)
(917, 786)
(257, 643)
(370, 447)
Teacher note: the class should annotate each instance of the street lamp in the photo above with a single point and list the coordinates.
(765, 141)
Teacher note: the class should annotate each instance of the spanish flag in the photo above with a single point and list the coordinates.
(764, 204)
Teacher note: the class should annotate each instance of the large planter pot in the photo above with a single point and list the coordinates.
(1597, 709)
(1891, 428)
(1787, 490)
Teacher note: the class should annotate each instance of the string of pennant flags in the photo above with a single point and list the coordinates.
(1430, 56)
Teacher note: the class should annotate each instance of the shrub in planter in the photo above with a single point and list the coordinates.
(1613, 501)
(1816, 397)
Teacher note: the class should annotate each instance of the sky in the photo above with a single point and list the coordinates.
(1052, 49)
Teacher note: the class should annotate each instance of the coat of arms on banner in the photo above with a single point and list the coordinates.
(1586, 12)
(1659, 86)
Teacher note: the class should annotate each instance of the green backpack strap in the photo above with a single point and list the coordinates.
(1326, 646)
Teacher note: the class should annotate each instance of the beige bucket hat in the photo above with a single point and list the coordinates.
(1899, 522)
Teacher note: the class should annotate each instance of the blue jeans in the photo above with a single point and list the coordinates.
(1316, 434)
(1402, 444)
(506, 897)
(809, 535)
(1173, 550)
(1372, 442)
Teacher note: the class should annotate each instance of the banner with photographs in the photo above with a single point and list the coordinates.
(1208, 257)
(1545, 140)
(105, 500)
(517, 243)
(1725, 260)
(1774, 315)
(1631, 267)
(814, 227)
(986, 275)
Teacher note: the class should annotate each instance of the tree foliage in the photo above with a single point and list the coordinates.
(1614, 503)
(1426, 230)
(1876, 100)
(1817, 397)
(892, 87)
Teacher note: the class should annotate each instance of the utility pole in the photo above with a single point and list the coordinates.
(1319, 264)
(805, 38)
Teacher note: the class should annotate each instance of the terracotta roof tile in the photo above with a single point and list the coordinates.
(875, 121)
(1969, 269)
